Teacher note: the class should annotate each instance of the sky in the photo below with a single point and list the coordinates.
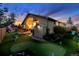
(61, 11)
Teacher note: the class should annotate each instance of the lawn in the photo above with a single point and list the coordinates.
(10, 46)
(71, 45)
(14, 43)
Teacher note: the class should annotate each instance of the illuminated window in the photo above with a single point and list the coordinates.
(29, 22)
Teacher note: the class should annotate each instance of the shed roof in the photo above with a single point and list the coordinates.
(47, 18)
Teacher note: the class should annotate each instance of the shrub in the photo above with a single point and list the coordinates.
(59, 30)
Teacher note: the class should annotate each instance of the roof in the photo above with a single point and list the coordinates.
(47, 18)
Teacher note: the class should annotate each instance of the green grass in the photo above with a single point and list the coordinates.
(5, 48)
(38, 48)
(47, 49)
(23, 43)
(71, 46)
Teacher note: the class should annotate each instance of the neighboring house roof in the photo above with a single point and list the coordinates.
(47, 18)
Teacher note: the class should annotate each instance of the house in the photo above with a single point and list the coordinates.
(31, 20)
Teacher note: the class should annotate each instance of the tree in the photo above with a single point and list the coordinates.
(4, 20)
(5, 9)
(12, 19)
(69, 21)
(69, 24)
(1, 12)
(74, 28)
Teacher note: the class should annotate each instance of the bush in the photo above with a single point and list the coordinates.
(59, 30)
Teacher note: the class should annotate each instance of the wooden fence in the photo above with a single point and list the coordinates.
(2, 33)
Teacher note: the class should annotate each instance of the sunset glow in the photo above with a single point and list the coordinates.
(17, 22)
(59, 11)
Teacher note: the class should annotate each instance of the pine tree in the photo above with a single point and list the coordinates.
(69, 21)
(69, 24)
